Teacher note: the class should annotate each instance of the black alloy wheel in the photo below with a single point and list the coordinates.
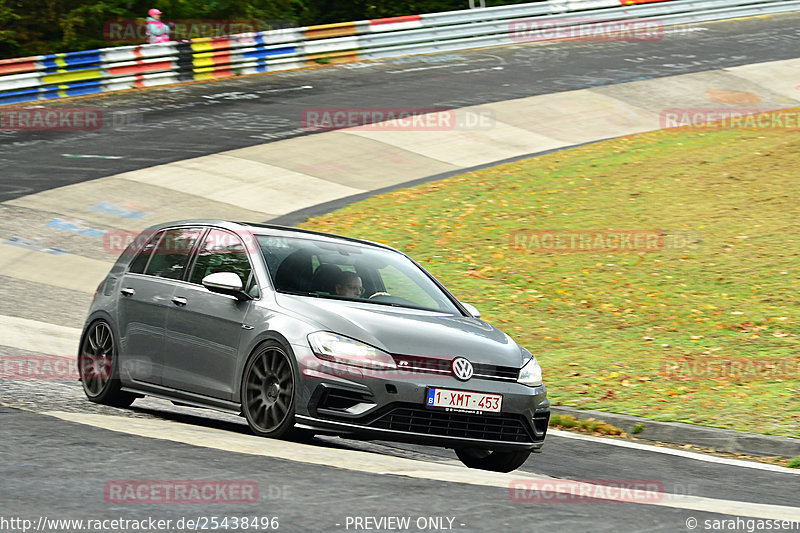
(97, 367)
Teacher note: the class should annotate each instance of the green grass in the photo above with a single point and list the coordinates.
(589, 425)
(611, 328)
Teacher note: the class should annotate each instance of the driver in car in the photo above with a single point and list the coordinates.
(349, 285)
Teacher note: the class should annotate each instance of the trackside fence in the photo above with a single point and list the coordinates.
(111, 69)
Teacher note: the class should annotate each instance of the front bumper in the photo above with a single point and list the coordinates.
(390, 405)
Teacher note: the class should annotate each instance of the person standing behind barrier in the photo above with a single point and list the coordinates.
(157, 31)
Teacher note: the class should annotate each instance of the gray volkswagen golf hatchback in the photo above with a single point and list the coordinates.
(307, 333)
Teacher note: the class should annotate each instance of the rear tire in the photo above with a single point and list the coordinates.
(98, 367)
(494, 460)
(267, 395)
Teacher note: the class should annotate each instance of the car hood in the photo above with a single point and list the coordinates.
(404, 331)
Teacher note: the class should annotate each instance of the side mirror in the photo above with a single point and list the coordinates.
(226, 283)
(472, 310)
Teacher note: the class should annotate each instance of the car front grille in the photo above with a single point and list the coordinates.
(505, 373)
(501, 428)
(442, 366)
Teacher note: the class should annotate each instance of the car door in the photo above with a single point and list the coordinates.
(203, 327)
(146, 291)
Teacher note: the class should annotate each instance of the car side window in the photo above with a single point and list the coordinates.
(222, 251)
(170, 256)
(140, 262)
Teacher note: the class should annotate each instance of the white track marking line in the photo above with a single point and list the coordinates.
(671, 451)
(40, 337)
(417, 69)
(92, 156)
(381, 464)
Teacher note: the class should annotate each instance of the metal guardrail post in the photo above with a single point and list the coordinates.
(185, 62)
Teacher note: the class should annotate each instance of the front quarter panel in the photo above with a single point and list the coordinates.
(269, 324)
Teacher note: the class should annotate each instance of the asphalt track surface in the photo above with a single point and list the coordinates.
(56, 468)
(304, 498)
(192, 120)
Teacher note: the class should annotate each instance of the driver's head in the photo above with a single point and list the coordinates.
(349, 285)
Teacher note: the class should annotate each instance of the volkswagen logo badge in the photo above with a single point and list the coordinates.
(462, 368)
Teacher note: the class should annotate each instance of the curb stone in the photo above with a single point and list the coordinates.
(723, 440)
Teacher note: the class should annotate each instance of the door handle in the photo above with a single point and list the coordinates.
(179, 301)
(127, 291)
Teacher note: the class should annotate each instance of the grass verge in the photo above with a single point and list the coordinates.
(589, 425)
(701, 328)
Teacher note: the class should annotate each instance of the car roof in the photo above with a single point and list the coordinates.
(270, 229)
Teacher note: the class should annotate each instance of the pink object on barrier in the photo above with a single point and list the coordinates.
(141, 67)
(395, 23)
(396, 20)
(635, 2)
(18, 65)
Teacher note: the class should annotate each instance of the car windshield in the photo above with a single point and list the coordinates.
(342, 271)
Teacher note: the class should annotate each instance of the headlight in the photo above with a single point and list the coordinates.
(338, 349)
(531, 373)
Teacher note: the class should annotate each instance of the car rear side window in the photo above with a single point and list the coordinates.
(140, 262)
(171, 255)
(221, 251)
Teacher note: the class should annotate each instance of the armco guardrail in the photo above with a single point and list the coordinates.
(111, 69)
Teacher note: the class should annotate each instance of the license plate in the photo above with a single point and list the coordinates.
(464, 401)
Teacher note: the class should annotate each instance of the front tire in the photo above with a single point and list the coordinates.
(268, 389)
(98, 367)
(494, 460)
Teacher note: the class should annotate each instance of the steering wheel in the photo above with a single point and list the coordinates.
(378, 294)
